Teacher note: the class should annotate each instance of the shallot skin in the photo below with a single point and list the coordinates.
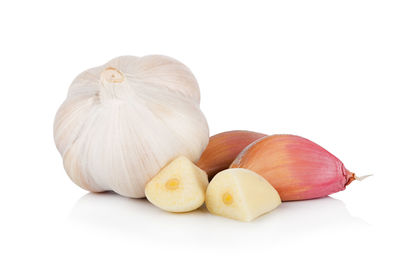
(223, 148)
(296, 167)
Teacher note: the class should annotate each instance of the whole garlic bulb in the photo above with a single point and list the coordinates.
(123, 121)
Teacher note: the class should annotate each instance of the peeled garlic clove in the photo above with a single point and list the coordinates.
(123, 121)
(178, 187)
(240, 194)
(223, 148)
(296, 167)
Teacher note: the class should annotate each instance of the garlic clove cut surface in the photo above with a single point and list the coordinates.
(240, 194)
(178, 187)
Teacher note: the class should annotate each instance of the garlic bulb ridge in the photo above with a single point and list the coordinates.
(123, 121)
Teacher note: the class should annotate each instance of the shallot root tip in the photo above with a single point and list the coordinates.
(353, 177)
(360, 178)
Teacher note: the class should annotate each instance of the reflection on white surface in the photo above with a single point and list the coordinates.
(137, 217)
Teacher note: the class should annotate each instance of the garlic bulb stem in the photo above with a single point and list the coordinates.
(112, 75)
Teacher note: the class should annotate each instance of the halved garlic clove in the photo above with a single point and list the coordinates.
(240, 194)
(178, 187)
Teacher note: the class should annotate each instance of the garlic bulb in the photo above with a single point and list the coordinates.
(123, 121)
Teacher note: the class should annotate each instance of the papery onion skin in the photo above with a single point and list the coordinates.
(298, 168)
(223, 148)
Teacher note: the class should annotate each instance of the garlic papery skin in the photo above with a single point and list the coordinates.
(123, 121)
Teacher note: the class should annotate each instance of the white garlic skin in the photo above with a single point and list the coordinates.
(123, 121)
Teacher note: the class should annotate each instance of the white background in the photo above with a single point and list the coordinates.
(325, 70)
